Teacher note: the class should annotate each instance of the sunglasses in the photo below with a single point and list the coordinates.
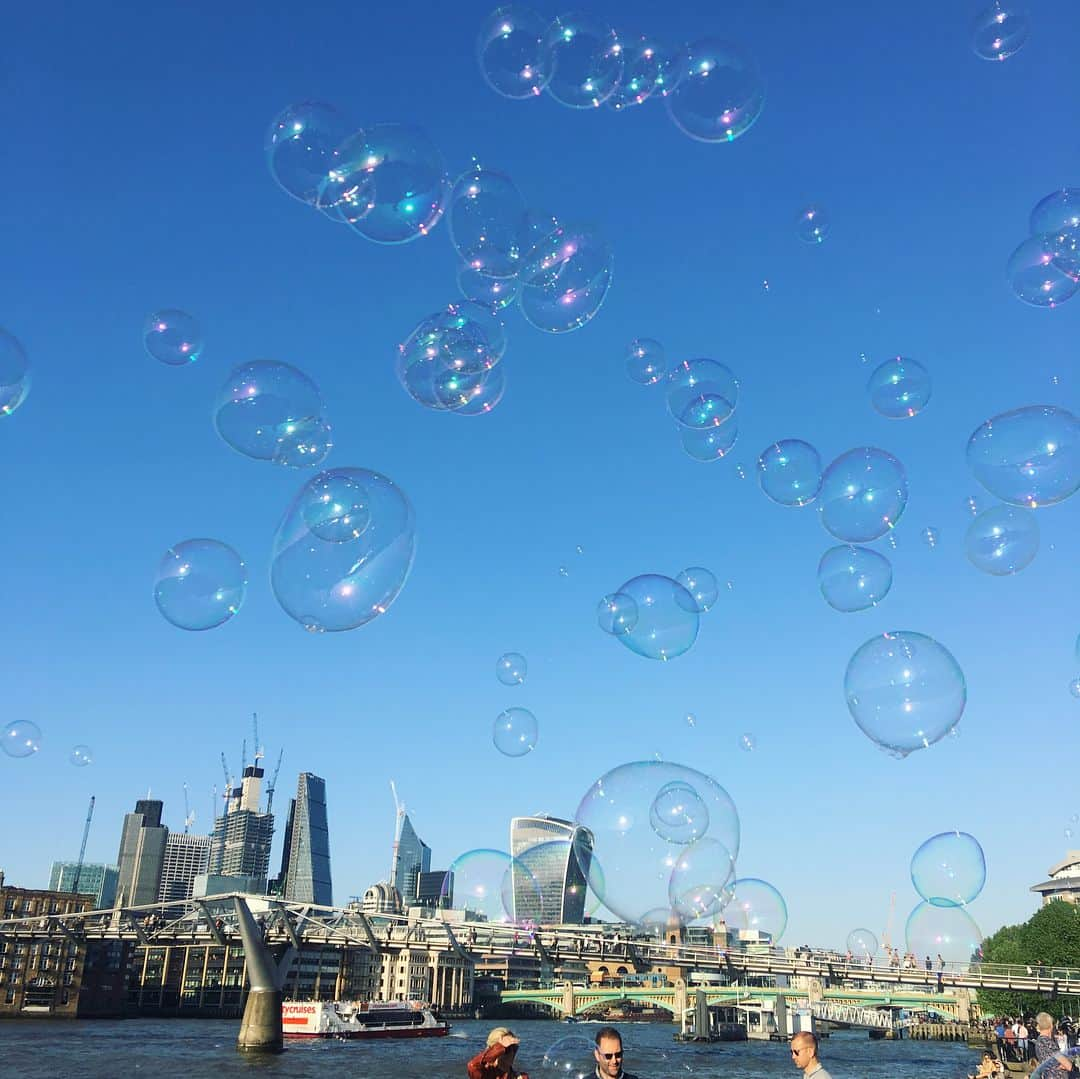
(611, 1056)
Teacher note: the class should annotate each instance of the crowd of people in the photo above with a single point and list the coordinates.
(1034, 1038)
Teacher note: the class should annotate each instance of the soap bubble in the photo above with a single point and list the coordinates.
(494, 292)
(584, 58)
(81, 756)
(571, 1056)
(565, 281)
(302, 147)
(1036, 271)
(678, 813)
(259, 405)
(758, 905)
(515, 732)
(863, 494)
(336, 580)
(747, 742)
(854, 578)
(905, 691)
(710, 443)
(486, 217)
(862, 944)
(691, 719)
(789, 472)
(509, 52)
(641, 70)
(930, 536)
(14, 373)
(719, 92)
(899, 388)
(1074, 687)
(1000, 30)
(701, 393)
(1057, 212)
(303, 443)
(617, 613)
(484, 394)
(701, 585)
(812, 224)
(1028, 457)
(511, 668)
(645, 361)
(21, 738)
(667, 622)
(482, 881)
(949, 869)
(172, 337)
(946, 931)
(701, 879)
(1002, 540)
(200, 584)
(638, 863)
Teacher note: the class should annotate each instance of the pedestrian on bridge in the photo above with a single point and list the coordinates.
(804, 1055)
(609, 1055)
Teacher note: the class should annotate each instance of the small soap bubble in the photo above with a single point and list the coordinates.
(708, 444)
(701, 393)
(645, 361)
(617, 613)
(1037, 273)
(301, 147)
(973, 505)
(563, 571)
(719, 93)
(949, 869)
(854, 578)
(678, 813)
(509, 51)
(691, 719)
(700, 585)
(21, 738)
(1074, 687)
(862, 944)
(641, 69)
(566, 278)
(335, 507)
(789, 472)
(172, 337)
(579, 549)
(486, 216)
(930, 536)
(14, 373)
(747, 742)
(494, 292)
(1000, 30)
(511, 668)
(515, 732)
(584, 58)
(765, 284)
(1057, 212)
(756, 904)
(200, 584)
(1068, 833)
(740, 471)
(81, 756)
(667, 622)
(1003, 540)
(946, 931)
(571, 1056)
(700, 884)
(891, 540)
(899, 388)
(863, 494)
(303, 443)
(812, 224)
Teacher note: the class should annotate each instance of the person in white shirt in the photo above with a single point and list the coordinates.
(804, 1055)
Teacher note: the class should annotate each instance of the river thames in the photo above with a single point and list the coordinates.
(192, 1049)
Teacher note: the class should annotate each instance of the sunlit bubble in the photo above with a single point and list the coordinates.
(1057, 212)
(930, 536)
(302, 147)
(740, 471)
(484, 394)
(515, 732)
(473, 336)
(483, 882)
(617, 613)
(641, 60)
(1002, 540)
(905, 691)
(584, 58)
(259, 401)
(1074, 687)
(700, 585)
(667, 622)
(946, 931)
(854, 578)
(812, 224)
(303, 443)
(949, 869)
(511, 668)
(645, 361)
(863, 495)
(701, 393)
(14, 373)
(81, 756)
(747, 742)
(899, 388)
(21, 738)
(172, 337)
(578, 549)
(637, 862)
(701, 879)
(566, 278)
(496, 292)
(691, 719)
(670, 68)
(973, 505)
(789, 472)
(1036, 270)
(509, 52)
(757, 905)
(486, 217)
(200, 584)
(1000, 30)
(571, 1056)
(1028, 457)
(563, 571)
(678, 813)
(347, 580)
(710, 443)
(862, 944)
(719, 92)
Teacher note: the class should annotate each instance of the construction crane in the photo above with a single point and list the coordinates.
(273, 782)
(189, 816)
(259, 753)
(82, 849)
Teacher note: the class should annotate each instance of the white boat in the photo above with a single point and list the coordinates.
(355, 1019)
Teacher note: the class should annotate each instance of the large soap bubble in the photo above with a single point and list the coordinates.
(1057, 212)
(1000, 30)
(756, 904)
(172, 337)
(854, 578)
(492, 292)
(701, 879)
(719, 92)
(946, 931)
(1002, 540)
(487, 219)
(200, 584)
(509, 52)
(482, 882)
(1041, 271)
(862, 944)
(511, 668)
(1028, 457)
(20, 738)
(328, 572)
(641, 70)
(14, 373)
(303, 443)
(584, 60)
(639, 862)
(863, 494)
(571, 1056)
(789, 472)
(905, 691)
(515, 732)
(302, 147)
(949, 869)
(667, 618)
(701, 393)
(678, 813)
(710, 443)
(899, 388)
(566, 279)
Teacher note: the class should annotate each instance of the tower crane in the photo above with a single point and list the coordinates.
(189, 816)
(273, 782)
(82, 849)
(259, 752)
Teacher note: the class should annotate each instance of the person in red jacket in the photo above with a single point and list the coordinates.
(497, 1060)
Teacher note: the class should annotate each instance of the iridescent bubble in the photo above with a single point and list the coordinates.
(1002, 540)
(789, 472)
(863, 494)
(949, 869)
(303, 443)
(258, 404)
(757, 905)
(200, 584)
(701, 879)
(667, 622)
(669, 68)
(701, 393)
(719, 92)
(486, 218)
(678, 813)
(1074, 687)
(1037, 272)
(584, 58)
(1028, 457)
(899, 388)
(81, 756)
(484, 394)
(511, 668)
(566, 280)
(1057, 212)
(21, 738)
(641, 70)
(14, 373)
(747, 742)
(473, 336)
(482, 881)
(946, 931)
(645, 361)
(494, 292)
(341, 583)
(617, 613)
(172, 337)
(1000, 30)
(710, 443)
(854, 578)
(565, 895)
(862, 944)
(905, 691)
(509, 52)
(701, 585)
(515, 732)
(930, 536)
(812, 224)
(571, 1056)
(302, 147)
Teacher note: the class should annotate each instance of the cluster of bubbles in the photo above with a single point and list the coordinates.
(22, 738)
(14, 373)
(656, 616)
(200, 584)
(1044, 270)
(712, 88)
(1000, 30)
(516, 729)
(172, 337)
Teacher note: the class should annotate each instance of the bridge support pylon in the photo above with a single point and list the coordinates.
(260, 1028)
(569, 1004)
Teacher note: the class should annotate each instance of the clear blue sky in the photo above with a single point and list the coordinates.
(134, 179)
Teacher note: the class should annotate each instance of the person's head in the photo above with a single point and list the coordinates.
(1045, 1022)
(608, 1051)
(503, 1035)
(804, 1047)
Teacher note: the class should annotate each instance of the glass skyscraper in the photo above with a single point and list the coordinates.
(95, 879)
(307, 863)
(412, 856)
(549, 879)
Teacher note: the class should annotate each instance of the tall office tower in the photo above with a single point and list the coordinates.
(186, 856)
(278, 883)
(142, 851)
(435, 889)
(240, 846)
(412, 856)
(95, 878)
(552, 859)
(307, 874)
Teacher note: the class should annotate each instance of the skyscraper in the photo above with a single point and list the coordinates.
(142, 851)
(307, 869)
(240, 846)
(552, 858)
(95, 879)
(412, 856)
(186, 856)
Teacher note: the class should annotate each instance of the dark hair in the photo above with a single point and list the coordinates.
(607, 1032)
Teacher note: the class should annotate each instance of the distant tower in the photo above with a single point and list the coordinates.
(548, 877)
(142, 853)
(307, 870)
(412, 856)
(186, 856)
(240, 846)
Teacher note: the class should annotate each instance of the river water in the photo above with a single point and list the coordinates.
(192, 1049)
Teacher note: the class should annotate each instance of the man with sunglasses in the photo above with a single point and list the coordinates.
(609, 1055)
(804, 1049)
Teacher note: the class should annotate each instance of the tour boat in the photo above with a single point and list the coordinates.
(377, 1019)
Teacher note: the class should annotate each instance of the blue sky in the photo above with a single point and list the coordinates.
(134, 180)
